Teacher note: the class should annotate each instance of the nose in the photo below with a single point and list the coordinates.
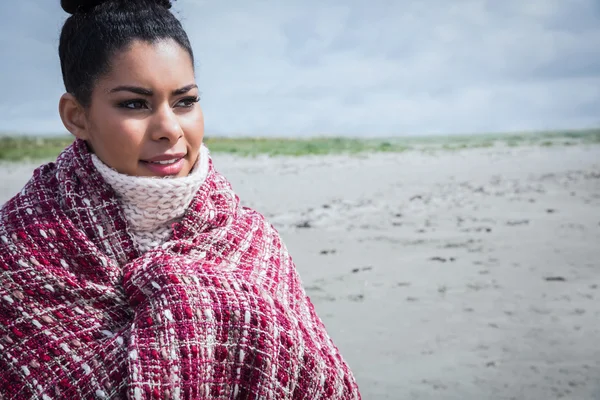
(166, 126)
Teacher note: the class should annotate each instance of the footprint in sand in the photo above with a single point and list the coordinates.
(356, 297)
(356, 270)
(328, 251)
(443, 259)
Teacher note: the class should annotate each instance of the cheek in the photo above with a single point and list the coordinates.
(118, 135)
(194, 128)
(124, 131)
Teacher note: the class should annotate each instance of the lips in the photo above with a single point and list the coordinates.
(165, 164)
(164, 157)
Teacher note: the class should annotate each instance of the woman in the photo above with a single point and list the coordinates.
(128, 268)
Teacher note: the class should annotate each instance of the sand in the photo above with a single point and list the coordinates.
(472, 274)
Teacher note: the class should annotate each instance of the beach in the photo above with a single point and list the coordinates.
(447, 274)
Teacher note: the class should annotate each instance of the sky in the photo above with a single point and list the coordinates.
(348, 67)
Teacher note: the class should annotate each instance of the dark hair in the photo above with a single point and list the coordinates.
(98, 29)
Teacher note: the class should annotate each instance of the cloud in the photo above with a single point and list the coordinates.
(351, 67)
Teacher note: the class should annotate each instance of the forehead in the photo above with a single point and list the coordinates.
(161, 64)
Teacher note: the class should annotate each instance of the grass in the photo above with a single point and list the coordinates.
(23, 148)
(20, 148)
(300, 147)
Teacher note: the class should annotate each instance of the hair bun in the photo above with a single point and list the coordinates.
(84, 6)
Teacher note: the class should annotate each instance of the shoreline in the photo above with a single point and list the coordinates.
(23, 148)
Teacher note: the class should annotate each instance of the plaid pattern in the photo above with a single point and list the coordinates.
(216, 312)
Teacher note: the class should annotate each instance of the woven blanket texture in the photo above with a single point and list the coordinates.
(216, 312)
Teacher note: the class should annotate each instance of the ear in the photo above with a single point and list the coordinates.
(73, 116)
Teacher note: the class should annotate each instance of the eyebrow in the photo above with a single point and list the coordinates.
(147, 92)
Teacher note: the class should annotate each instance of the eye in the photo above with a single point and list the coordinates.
(136, 104)
(187, 102)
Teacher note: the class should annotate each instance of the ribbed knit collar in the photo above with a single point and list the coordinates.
(151, 204)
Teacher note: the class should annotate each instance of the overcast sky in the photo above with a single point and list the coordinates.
(348, 67)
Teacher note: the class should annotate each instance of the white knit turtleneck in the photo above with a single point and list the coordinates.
(151, 205)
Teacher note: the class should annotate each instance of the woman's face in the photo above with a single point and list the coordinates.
(144, 118)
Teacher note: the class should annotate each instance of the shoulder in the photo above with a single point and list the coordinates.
(33, 207)
(38, 189)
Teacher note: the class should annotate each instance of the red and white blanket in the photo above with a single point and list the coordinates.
(218, 311)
